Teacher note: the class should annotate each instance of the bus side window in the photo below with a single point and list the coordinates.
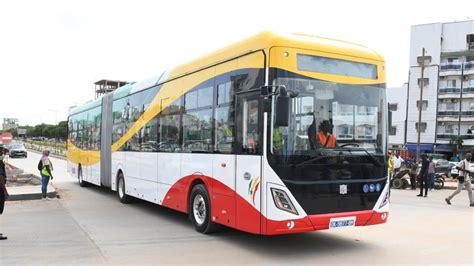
(250, 136)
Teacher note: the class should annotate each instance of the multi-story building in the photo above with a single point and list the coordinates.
(9, 123)
(397, 99)
(448, 86)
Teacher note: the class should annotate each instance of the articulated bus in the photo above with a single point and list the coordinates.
(272, 135)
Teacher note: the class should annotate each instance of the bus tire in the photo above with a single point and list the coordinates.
(80, 177)
(121, 192)
(200, 210)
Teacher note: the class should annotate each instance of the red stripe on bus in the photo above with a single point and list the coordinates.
(247, 218)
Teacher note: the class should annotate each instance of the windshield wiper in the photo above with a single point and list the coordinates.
(370, 155)
(311, 160)
(372, 158)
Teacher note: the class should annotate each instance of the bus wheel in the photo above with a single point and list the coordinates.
(123, 197)
(80, 179)
(200, 210)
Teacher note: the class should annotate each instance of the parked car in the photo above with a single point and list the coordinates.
(442, 166)
(18, 150)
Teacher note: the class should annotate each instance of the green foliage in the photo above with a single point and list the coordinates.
(58, 131)
(457, 143)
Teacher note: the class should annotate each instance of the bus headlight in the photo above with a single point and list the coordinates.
(282, 201)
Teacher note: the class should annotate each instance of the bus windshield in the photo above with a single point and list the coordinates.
(332, 117)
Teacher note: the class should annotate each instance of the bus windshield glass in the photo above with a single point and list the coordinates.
(333, 117)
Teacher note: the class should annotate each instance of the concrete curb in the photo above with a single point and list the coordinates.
(32, 196)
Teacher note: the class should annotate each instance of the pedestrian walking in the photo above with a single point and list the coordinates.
(464, 180)
(431, 173)
(423, 176)
(3, 187)
(46, 167)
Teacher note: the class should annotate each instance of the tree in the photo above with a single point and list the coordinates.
(457, 142)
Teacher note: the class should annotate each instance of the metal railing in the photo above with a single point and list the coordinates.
(469, 65)
(468, 89)
(448, 113)
(450, 66)
(449, 90)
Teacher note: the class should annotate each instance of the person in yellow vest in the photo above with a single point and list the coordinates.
(391, 166)
(46, 173)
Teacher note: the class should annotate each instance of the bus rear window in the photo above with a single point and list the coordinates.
(336, 66)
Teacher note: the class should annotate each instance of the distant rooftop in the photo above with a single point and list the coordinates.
(104, 86)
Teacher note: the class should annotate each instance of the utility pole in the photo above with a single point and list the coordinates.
(420, 104)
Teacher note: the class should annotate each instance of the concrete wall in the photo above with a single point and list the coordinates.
(430, 93)
(398, 95)
(454, 35)
(429, 37)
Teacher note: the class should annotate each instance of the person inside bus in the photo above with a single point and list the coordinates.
(323, 138)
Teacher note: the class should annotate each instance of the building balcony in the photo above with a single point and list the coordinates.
(467, 136)
(448, 113)
(450, 69)
(446, 136)
(469, 68)
(449, 93)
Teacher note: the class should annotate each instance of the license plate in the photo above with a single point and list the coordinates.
(342, 222)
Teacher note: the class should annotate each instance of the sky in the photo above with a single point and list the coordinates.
(52, 52)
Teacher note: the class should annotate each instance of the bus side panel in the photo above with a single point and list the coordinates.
(223, 189)
(118, 162)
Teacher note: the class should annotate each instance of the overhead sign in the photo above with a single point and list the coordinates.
(6, 137)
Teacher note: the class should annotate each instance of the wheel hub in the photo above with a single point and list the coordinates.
(199, 209)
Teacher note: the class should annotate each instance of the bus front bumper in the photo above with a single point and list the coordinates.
(323, 221)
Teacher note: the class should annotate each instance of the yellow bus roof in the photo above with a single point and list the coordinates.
(266, 39)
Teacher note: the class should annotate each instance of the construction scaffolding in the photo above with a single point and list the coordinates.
(105, 86)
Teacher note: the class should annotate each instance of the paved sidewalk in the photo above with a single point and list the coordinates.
(29, 192)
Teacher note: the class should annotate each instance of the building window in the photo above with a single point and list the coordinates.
(450, 106)
(451, 83)
(392, 131)
(422, 127)
(471, 106)
(426, 82)
(425, 105)
(470, 41)
(453, 61)
(448, 129)
(393, 107)
(470, 83)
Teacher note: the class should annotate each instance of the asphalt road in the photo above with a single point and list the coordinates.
(90, 226)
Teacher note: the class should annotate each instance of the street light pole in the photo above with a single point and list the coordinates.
(420, 104)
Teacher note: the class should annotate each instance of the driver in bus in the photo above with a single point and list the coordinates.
(323, 138)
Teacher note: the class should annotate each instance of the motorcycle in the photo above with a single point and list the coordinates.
(439, 180)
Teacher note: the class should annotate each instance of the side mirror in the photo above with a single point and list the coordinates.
(282, 110)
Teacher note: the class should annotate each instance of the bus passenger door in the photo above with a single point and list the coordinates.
(248, 161)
